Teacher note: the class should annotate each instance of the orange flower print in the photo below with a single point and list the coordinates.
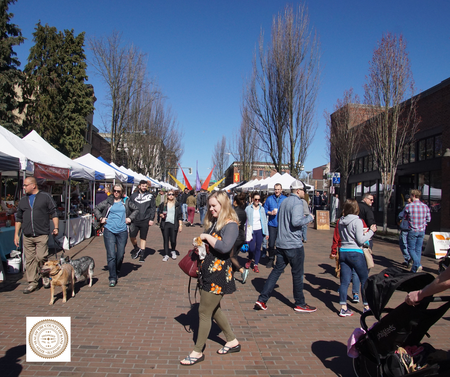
(216, 289)
(217, 265)
(229, 274)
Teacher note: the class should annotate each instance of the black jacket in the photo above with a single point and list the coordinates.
(178, 214)
(36, 220)
(366, 213)
(146, 203)
(102, 208)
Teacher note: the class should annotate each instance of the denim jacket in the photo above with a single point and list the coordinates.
(262, 213)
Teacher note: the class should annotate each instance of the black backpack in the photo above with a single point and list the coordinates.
(202, 199)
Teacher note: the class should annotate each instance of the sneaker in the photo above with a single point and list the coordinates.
(256, 269)
(419, 269)
(248, 264)
(142, 258)
(345, 313)
(174, 254)
(410, 264)
(261, 305)
(305, 308)
(355, 298)
(244, 275)
(166, 258)
(112, 283)
(29, 289)
(135, 254)
(365, 310)
(269, 264)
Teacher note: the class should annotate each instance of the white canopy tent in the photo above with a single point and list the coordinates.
(95, 163)
(285, 180)
(27, 153)
(77, 170)
(249, 185)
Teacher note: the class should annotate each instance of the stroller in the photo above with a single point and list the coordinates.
(392, 346)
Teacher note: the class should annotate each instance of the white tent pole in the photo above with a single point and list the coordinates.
(68, 213)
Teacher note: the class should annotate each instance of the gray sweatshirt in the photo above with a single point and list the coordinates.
(291, 218)
(352, 233)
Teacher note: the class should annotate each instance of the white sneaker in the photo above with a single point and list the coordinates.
(166, 258)
(174, 254)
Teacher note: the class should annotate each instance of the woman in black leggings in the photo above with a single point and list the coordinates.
(170, 214)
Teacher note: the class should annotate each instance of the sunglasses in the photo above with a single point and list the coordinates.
(170, 194)
(256, 200)
(119, 191)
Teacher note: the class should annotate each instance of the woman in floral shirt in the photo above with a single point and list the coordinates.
(216, 277)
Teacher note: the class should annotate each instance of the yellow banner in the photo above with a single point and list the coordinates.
(180, 185)
(212, 187)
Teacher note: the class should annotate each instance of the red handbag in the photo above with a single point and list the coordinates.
(190, 263)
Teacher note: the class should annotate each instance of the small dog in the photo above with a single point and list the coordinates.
(61, 275)
(82, 267)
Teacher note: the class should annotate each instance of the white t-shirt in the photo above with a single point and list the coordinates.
(256, 219)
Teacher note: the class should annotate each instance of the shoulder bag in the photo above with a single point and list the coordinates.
(189, 263)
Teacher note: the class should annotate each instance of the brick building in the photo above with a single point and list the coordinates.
(260, 170)
(424, 164)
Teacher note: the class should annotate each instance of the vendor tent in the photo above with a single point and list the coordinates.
(33, 160)
(129, 178)
(109, 172)
(285, 180)
(78, 171)
(9, 163)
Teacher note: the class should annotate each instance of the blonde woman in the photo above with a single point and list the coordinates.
(216, 275)
(170, 214)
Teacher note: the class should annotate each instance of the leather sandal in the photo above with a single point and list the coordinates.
(192, 360)
(225, 349)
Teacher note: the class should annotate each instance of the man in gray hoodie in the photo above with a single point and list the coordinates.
(291, 219)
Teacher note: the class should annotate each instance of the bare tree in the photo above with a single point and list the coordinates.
(220, 158)
(282, 92)
(246, 146)
(344, 136)
(123, 70)
(394, 121)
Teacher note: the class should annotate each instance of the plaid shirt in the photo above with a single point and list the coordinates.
(418, 215)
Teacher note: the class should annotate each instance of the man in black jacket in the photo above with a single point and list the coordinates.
(366, 212)
(146, 204)
(33, 214)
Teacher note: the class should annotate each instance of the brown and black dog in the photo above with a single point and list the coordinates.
(61, 275)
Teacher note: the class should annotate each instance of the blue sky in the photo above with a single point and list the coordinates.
(200, 52)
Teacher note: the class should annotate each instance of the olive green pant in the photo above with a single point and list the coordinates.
(210, 308)
(36, 254)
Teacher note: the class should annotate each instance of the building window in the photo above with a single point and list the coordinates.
(406, 154)
(438, 146)
(422, 150)
(360, 165)
(412, 152)
(261, 173)
(430, 147)
(366, 164)
(370, 167)
(255, 173)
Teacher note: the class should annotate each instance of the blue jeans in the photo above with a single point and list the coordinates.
(415, 242)
(296, 258)
(304, 231)
(115, 250)
(403, 242)
(202, 211)
(184, 208)
(352, 260)
(273, 233)
(254, 246)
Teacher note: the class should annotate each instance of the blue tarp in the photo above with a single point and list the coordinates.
(130, 178)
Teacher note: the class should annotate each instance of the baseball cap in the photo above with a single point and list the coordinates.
(101, 186)
(296, 185)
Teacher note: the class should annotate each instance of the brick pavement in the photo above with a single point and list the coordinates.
(145, 325)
